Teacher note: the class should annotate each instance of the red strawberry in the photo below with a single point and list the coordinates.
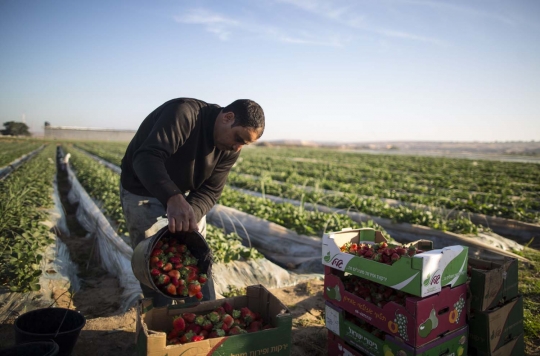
(207, 325)
(395, 257)
(197, 338)
(189, 317)
(216, 333)
(226, 306)
(171, 289)
(254, 326)
(170, 249)
(159, 264)
(223, 326)
(204, 333)
(173, 334)
(227, 319)
(181, 248)
(174, 273)
(203, 279)
(199, 320)
(155, 272)
(153, 260)
(247, 315)
(158, 244)
(174, 281)
(220, 311)
(235, 330)
(187, 337)
(163, 279)
(156, 252)
(168, 266)
(194, 327)
(179, 323)
(175, 260)
(181, 290)
(199, 296)
(194, 288)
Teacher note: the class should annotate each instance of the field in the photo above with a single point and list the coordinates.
(308, 191)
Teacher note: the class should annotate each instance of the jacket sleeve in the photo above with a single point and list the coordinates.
(204, 198)
(172, 128)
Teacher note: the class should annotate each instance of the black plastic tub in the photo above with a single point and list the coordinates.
(61, 325)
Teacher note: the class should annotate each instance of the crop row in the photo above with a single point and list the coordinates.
(12, 149)
(102, 184)
(25, 197)
(350, 180)
(352, 202)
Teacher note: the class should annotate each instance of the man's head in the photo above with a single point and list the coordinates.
(238, 124)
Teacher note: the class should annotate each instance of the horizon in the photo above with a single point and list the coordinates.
(323, 71)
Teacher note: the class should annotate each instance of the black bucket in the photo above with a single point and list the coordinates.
(61, 325)
(41, 348)
(195, 242)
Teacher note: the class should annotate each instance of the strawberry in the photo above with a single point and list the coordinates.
(181, 290)
(174, 281)
(254, 326)
(170, 249)
(158, 244)
(226, 306)
(199, 296)
(395, 257)
(171, 289)
(197, 338)
(194, 288)
(199, 320)
(194, 327)
(236, 313)
(203, 279)
(216, 333)
(153, 260)
(173, 334)
(155, 272)
(220, 311)
(204, 333)
(179, 323)
(236, 330)
(159, 264)
(163, 279)
(156, 252)
(175, 260)
(187, 337)
(227, 319)
(207, 325)
(181, 248)
(247, 315)
(174, 273)
(221, 325)
(214, 317)
(168, 266)
(189, 317)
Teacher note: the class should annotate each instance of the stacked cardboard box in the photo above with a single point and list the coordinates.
(496, 309)
(416, 305)
(153, 323)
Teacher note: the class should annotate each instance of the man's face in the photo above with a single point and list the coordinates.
(228, 138)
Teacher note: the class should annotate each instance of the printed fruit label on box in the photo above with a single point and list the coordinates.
(421, 275)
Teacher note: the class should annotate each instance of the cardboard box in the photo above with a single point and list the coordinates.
(489, 330)
(423, 319)
(492, 283)
(421, 275)
(514, 347)
(336, 321)
(152, 322)
(336, 346)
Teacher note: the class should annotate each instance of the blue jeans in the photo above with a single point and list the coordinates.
(145, 216)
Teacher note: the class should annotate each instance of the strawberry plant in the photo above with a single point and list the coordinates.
(24, 197)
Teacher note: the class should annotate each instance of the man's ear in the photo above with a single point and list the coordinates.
(228, 117)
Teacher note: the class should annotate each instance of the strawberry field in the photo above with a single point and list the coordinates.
(279, 186)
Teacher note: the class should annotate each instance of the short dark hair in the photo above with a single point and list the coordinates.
(247, 113)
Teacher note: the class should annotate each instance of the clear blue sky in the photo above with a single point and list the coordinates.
(346, 71)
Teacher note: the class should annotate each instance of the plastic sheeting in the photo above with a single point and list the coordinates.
(488, 246)
(113, 252)
(5, 171)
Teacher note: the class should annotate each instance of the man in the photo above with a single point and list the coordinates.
(177, 164)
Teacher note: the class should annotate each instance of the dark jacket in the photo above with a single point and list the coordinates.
(173, 152)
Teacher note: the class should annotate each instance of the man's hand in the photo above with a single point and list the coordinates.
(180, 214)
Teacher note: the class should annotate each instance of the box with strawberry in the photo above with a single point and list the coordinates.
(416, 321)
(256, 323)
(414, 268)
(373, 341)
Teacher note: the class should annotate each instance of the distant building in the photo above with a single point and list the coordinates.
(87, 133)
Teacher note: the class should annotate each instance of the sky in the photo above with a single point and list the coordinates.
(322, 70)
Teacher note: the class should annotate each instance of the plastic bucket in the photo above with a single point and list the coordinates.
(195, 242)
(41, 348)
(61, 325)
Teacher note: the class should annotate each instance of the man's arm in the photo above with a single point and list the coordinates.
(204, 198)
